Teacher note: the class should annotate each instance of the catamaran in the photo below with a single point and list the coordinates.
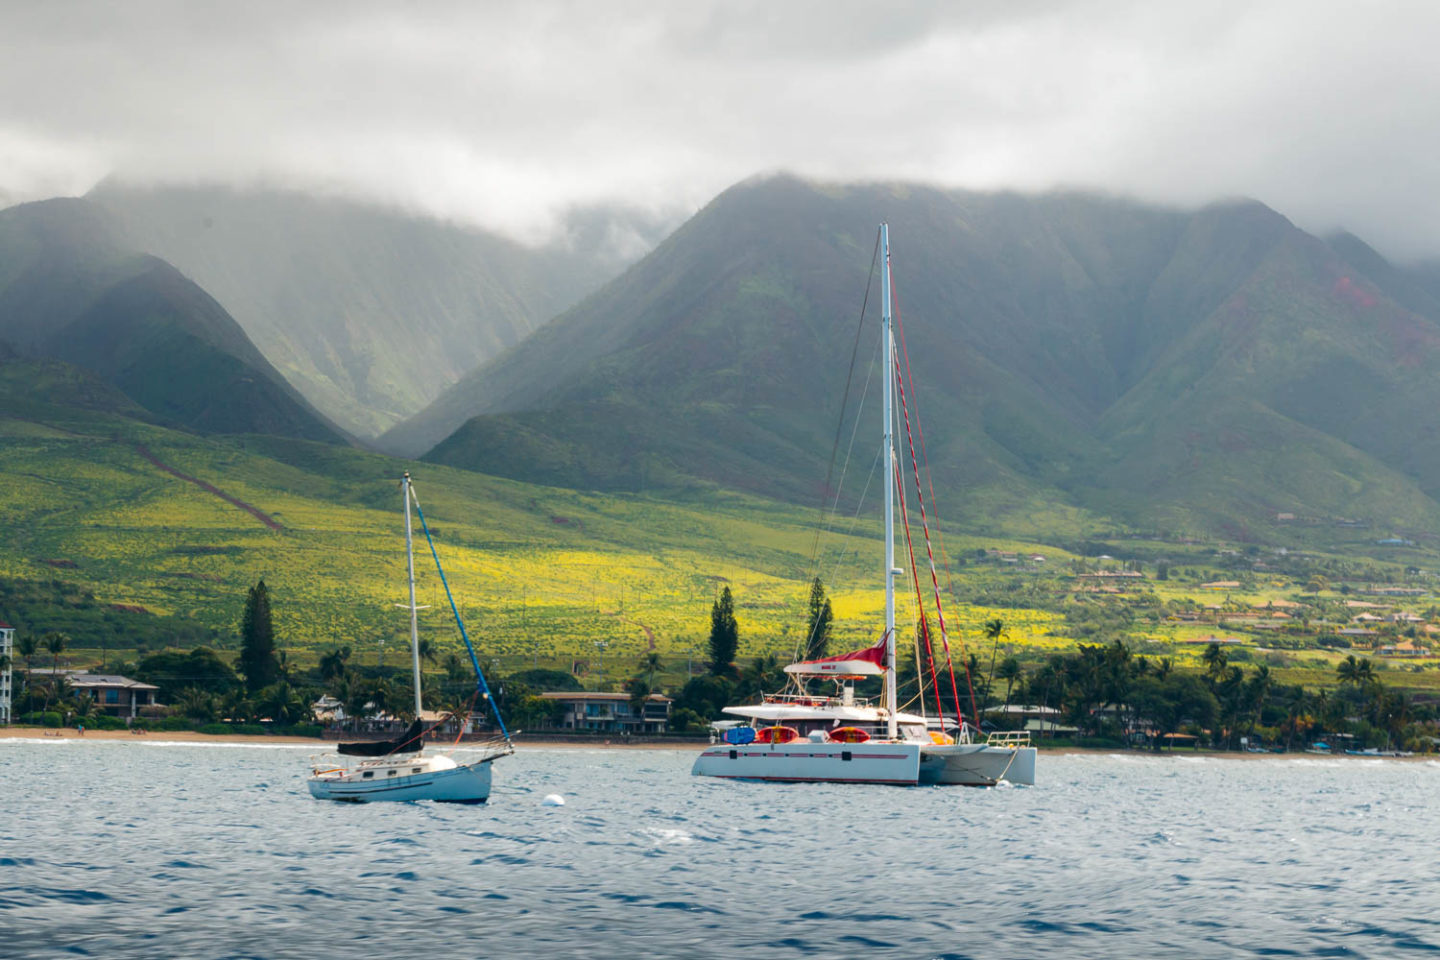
(396, 769)
(800, 734)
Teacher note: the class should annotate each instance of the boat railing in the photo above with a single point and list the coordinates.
(813, 700)
(1008, 739)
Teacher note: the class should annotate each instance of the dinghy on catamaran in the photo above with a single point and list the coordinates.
(803, 735)
(399, 769)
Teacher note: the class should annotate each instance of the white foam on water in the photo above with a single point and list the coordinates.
(665, 836)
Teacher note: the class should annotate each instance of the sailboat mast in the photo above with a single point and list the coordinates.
(414, 611)
(888, 379)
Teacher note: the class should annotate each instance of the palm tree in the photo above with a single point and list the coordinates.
(1215, 661)
(332, 664)
(84, 706)
(1356, 671)
(354, 696)
(639, 692)
(1295, 706)
(650, 663)
(1009, 672)
(235, 706)
(281, 704)
(196, 704)
(1259, 689)
(428, 653)
(379, 693)
(55, 643)
(27, 647)
(994, 630)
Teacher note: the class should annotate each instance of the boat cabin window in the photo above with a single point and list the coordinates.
(414, 769)
(367, 774)
(392, 773)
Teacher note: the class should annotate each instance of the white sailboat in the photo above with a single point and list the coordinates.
(800, 735)
(367, 771)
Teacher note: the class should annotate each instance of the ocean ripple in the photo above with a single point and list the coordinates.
(208, 851)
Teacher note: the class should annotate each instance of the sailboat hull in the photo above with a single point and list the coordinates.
(977, 764)
(465, 783)
(805, 761)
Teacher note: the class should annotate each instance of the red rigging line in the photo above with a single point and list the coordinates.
(930, 554)
(924, 620)
(920, 432)
(930, 482)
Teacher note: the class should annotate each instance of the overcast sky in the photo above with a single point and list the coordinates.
(505, 114)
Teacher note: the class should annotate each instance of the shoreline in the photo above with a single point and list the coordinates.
(562, 743)
(17, 732)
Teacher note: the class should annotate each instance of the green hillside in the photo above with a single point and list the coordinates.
(101, 501)
(72, 290)
(132, 538)
(1076, 356)
(370, 313)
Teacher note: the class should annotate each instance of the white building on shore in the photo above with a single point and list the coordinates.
(7, 650)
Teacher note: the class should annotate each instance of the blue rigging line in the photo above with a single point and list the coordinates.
(474, 661)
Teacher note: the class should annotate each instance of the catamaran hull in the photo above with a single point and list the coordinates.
(977, 765)
(803, 761)
(469, 783)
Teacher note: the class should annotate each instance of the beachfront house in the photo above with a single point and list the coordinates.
(612, 712)
(328, 710)
(1040, 721)
(113, 694)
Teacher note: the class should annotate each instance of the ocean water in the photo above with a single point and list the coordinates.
(125, 849)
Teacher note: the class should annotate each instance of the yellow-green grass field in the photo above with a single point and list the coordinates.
(540, 574)
(543, 576)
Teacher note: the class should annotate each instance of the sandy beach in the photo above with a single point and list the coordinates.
(191, 736)
(562, 743)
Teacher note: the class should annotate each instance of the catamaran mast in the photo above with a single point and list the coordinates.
(887, 365)
(414, 610)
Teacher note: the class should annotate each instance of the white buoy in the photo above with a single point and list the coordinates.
(553, 800)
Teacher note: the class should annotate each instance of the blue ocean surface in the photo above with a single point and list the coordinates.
(126, 849)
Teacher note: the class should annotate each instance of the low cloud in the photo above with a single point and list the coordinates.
(512, 115)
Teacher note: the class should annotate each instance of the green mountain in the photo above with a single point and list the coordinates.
(370, 313)
(1073, 353)
(73, 288)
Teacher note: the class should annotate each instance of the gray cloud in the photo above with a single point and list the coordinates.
(508, 115)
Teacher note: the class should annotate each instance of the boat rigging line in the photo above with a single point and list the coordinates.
(483, 687)
(825, 508)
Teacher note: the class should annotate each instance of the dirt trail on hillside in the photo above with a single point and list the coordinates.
(255, 512)
(649, 634)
